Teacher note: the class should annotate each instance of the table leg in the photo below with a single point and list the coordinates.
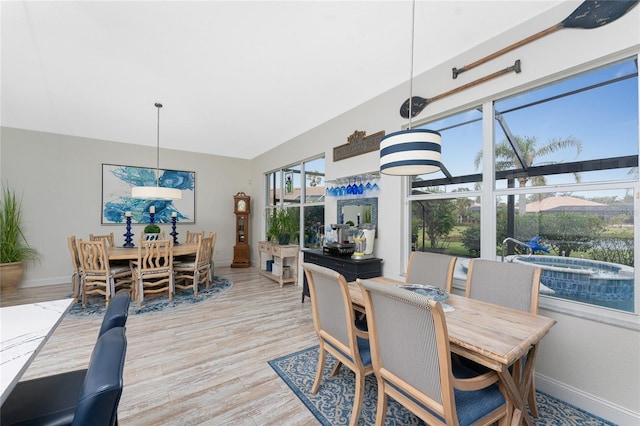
(527, 373)
(513, 393)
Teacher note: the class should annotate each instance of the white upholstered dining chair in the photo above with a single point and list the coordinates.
(512, 285)
(431, 269)
(413, 364)
(334, 322)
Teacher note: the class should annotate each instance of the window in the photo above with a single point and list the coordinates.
(300, 189)
(566, 174)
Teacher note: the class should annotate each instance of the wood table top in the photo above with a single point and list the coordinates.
(492, 335)
(126, 253)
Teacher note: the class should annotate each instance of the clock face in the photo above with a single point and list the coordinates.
(242, 206)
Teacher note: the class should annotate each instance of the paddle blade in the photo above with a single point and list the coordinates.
(417, 106)
(593, 14)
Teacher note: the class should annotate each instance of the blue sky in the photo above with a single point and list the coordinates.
(604, 119)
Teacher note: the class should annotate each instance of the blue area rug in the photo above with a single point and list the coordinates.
(95, 304)
(332, 404)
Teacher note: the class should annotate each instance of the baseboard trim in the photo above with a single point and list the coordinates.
(594, 405)
(47, 281)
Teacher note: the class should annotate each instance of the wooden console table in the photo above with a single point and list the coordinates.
(345, 265)
(288, 256)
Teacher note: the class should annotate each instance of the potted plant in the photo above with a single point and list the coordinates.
(282, 227)
(14, 249)
(151, 231)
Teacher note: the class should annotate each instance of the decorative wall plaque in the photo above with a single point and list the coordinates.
(358, 143)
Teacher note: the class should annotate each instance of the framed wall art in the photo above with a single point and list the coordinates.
(117, 181)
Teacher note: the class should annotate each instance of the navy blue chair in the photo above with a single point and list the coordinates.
(82, 397)
(117, 313)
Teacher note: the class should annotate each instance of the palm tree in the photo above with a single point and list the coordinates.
(506, 158)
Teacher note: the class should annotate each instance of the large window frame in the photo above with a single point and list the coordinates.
(284, 188)
(488, 191)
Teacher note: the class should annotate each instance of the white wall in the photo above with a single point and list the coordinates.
(60, 179)
(592, 364)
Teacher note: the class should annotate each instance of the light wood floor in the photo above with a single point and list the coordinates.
(199, 364)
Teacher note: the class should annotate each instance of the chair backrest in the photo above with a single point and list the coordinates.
(205, 250)
(107, 237)
(214, 237)
(155, 256)
(512, 285)
(333, 316)
(117, 312)
(431, 268)
(93, 257)
(415, 358)
(102, 388)
(73, 250)
(192, 237)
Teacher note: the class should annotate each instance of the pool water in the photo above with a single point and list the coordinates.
(583, 280)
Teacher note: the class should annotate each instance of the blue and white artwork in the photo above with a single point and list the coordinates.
(117, 182)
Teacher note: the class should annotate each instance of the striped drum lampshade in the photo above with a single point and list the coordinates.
(410, 152)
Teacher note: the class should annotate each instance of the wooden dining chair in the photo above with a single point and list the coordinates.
(76, 277)
(98, 276)
(153, 270)
(110, 240)
(512, 285)
(413, 365)
(192, 237)
(431, 269)
(334, 322)
(214, 237)
(190, 274)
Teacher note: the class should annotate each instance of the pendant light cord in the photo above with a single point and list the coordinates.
(158, 105)
(413, 24)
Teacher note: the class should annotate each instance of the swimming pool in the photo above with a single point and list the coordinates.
(584, 280)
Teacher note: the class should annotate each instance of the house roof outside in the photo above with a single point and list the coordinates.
(558, 203)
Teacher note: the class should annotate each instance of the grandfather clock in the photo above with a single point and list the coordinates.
(241, 206)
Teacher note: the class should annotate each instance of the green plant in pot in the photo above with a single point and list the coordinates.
(152, 231)
(283, 226)
(14, 249)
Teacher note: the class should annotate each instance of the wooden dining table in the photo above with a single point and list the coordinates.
(131, 253)
(491, 335)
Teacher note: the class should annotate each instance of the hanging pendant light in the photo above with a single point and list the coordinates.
(156, 192)
(413, 151)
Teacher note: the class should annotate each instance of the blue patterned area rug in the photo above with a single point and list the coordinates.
(95, 304)
(334, 400)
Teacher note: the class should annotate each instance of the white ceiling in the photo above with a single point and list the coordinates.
(236, 78)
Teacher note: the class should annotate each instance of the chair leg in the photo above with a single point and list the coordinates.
(322, 355)
(381, 410)
(336, 368)
(357, 400)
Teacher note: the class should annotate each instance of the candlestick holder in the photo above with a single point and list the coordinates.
(173, 232)
(152, 217)
(127, 236)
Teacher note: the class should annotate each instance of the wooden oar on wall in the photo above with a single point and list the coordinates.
(590, 14)
(419, 103)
